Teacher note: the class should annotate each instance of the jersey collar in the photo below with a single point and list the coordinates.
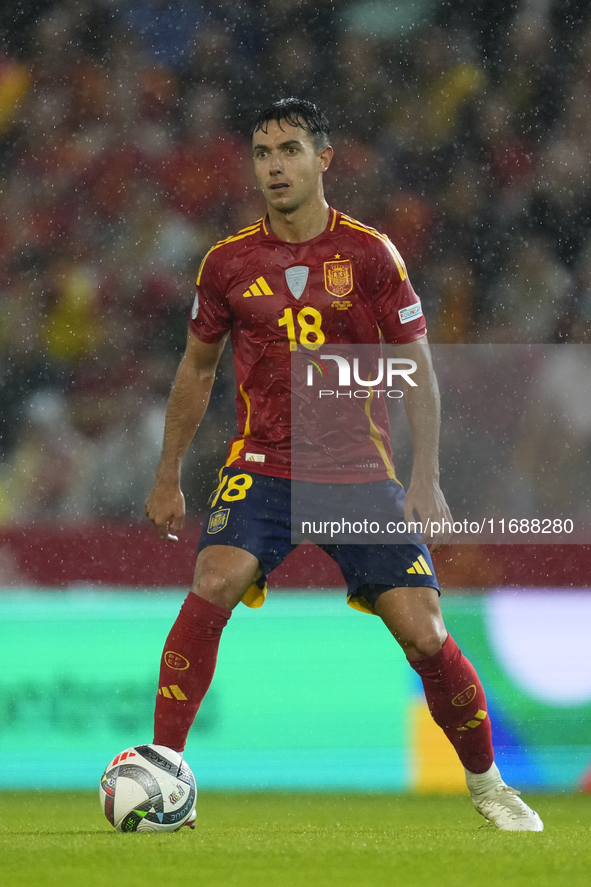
(333, 215)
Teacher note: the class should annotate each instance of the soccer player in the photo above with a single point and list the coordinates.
(302, 277)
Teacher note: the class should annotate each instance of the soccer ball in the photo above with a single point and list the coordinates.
(148, 788)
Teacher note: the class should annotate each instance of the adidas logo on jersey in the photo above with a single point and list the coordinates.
(420, 566)
(259, 288)
(172, 692)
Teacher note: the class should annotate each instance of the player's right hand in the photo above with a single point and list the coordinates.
(165, 507)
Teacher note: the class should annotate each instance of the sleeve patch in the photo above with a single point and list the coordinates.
(195, 308)
(410, 312)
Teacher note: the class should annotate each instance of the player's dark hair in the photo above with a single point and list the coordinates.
(296, 112)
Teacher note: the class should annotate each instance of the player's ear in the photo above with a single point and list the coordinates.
(325, 156)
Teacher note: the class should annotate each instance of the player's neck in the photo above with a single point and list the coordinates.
(303, 224)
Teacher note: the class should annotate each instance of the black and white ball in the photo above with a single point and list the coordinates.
(148, 788)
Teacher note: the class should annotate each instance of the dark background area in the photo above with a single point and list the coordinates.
(461, 130)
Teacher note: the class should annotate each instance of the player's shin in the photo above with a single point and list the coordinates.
(186, 669)
(457, 703)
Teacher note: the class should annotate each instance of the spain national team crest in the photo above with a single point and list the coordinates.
(338, 277)
(218, 520)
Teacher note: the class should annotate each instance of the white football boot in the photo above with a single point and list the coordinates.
(500, 804)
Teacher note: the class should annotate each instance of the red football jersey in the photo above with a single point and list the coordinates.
(343, 287)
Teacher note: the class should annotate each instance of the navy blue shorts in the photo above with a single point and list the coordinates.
(253, 512)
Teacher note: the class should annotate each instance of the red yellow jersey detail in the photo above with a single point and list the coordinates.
(275, 298)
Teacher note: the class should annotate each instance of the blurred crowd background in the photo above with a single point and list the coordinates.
(461, 129)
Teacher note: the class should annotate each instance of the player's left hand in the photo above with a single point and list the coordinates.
(425, 500)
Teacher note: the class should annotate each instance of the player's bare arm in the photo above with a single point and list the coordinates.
(424, 496)
(165, 505)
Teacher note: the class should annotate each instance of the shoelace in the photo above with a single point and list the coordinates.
(499, 789)
(512, 791)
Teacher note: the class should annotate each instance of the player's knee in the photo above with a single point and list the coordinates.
(426, 643)
(215, 587)
(220, 579)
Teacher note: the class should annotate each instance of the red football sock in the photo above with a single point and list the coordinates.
(186, 668)
(457, 703)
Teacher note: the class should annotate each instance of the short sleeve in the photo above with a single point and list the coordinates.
(396, 307)
(210, 315)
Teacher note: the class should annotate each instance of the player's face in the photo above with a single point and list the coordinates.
(288, 166)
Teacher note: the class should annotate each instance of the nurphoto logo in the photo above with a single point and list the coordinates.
(386, 371)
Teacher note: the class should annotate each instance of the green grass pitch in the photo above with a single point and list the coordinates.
(294, 840)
